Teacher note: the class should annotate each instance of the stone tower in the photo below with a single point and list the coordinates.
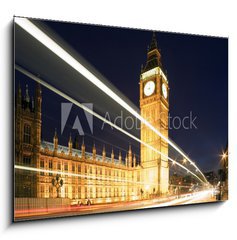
(27, 140)
(154, 105)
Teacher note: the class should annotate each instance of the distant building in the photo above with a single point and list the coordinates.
(211, 177)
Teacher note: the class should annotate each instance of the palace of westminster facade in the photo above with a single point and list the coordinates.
(87, 175)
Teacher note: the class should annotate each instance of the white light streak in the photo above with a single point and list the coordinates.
(39, 35)
(88, 177)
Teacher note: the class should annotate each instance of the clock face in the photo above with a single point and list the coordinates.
(149, 88)
(164, 90)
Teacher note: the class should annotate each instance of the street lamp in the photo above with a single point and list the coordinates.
(224, 156)
(58, 183)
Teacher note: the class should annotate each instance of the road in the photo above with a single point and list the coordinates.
(199, 197)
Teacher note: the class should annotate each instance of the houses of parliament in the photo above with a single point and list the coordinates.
(55, 171)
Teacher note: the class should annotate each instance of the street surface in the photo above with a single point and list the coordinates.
(192, 198)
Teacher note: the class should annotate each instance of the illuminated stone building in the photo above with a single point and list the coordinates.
(88, 175)
(154, 104)
(85, 175)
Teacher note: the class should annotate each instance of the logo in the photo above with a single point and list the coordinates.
(65, 112)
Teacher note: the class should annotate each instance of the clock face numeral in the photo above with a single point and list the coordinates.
(149, 88)
(164, 91)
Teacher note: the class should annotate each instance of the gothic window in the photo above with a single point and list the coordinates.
(66, 192)
(50, 167)
(41, 164)
(50, 164)
(51, 191)
(85, 192)
(65, 167)
(26, 161)
(42, 167)
(73, 192)
(79, 192)
(42, 190)
(27, 134)
(59, 166)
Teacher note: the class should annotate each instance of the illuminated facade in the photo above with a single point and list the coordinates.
(89, 176)
(86, 176)
(154, 104)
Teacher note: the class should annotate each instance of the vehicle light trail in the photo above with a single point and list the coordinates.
(39, 35)
(37, 79)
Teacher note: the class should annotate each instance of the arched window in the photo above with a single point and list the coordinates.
(27, 134)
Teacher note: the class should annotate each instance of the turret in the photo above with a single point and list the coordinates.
(76, 142)
(130, 156)
(70, 145)
(38, 100)
(83, 149)
(134, 160)
(37, 112)
(120, 158)
(55, 141)
(103, 154)
(112, 156)
(27, 99)
(94, 152)
(126, 160)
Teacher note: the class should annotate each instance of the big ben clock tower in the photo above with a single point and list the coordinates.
(154, 105)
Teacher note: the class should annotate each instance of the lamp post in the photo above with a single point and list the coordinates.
(224, 173)
(58, 183)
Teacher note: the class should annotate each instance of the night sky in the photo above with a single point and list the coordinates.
(197, 70)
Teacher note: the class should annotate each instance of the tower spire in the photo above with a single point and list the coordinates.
(153, 55)
(83, 149)
(27, 97)
(70, 144)
(94, 152)
(153, 44)
(112, 156)
(103, 154)
(55, 140)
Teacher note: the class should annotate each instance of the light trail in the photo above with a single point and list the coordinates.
(89, 177)
(39, 35)
(33, 169)
(37, 79)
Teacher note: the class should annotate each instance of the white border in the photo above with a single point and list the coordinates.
(211, 221)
